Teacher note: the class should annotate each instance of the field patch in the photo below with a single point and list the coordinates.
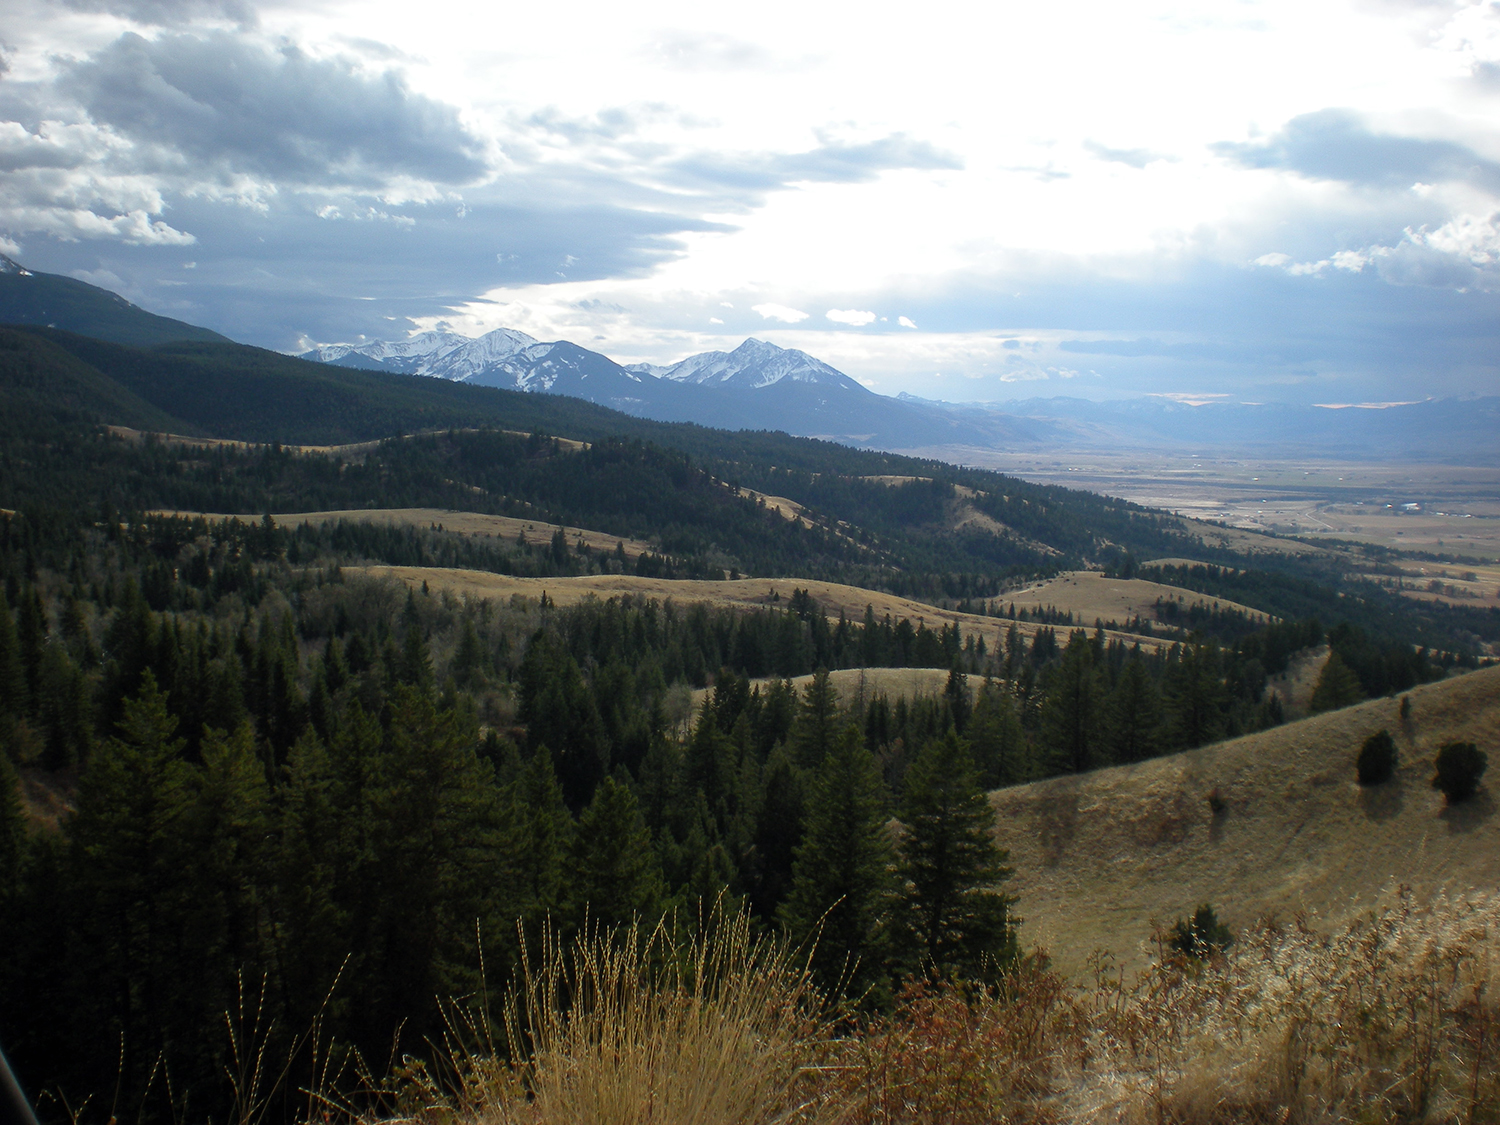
(743, 593)
(1273, 824)
(1090, 596)
(475, 524)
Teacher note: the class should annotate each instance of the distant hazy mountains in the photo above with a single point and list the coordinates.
(757, 386)
(1465, 430)
(761, 386)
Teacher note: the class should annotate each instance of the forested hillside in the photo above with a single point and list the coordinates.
(255, 784)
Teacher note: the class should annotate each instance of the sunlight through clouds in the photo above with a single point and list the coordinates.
(1214, 176)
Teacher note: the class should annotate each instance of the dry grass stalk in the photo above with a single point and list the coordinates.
(626, 1027)
(1392, 1019)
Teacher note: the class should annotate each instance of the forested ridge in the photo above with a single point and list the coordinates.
(278, 787)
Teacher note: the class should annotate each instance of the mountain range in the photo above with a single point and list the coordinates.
(759, 386)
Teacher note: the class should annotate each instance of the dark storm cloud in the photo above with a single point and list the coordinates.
(219, 100)
(269, 277)
(1334, 144)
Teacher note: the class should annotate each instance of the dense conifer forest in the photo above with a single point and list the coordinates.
(258, 785)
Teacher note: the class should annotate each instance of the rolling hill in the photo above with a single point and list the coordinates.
(1099, 857)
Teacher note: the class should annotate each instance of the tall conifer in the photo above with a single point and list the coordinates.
(954, 918)
(841, 879)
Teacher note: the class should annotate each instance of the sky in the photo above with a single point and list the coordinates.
(1246, 200)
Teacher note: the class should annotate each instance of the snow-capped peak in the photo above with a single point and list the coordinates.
(10, 265)
(752, 365)
(444, 354)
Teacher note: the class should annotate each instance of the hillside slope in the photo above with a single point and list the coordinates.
(52, 301)
(1099, 856)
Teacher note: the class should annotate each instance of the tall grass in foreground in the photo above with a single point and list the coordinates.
(1392, 1019)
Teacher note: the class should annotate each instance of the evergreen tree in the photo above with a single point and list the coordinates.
(1196, 696)
(31, 635)
(616, 876)
(817, 724)
(416, 661)
(1337, 686)
(841, 879)
(778, 830)
(997, 739)
(126, 864)
(470, 661)
(434, 825)
(536, 840)
(956, 692)
(954, 918)
(13, 692)
(1133, 714)
(12, 838)
(323, 833)
(1073, 708)
(560, 712)
(64, 709)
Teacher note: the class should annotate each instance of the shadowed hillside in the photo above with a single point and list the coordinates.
(1099, 856)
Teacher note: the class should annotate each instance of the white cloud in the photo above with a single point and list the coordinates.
(853, 317)
(1463, 253)
(780, 312)
(748, 167)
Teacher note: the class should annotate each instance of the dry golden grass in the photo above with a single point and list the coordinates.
(633, 1026)
(1389, 1019)
(744, 593)
(1100, 855)
(1089, 595)
(474, 524)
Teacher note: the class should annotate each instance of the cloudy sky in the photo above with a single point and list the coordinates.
(1289, 200)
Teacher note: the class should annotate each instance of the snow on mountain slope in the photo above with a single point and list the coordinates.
(445, 355)
(752, 365)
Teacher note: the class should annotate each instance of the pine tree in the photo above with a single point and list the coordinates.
(13, 692)
(1196, 696)
(416, 661)
(841, 879)
(997, 739)
(470, 661)
(615, 873)
(126, 864)
(1073, 708)
(64, 709)
(535, 842)
(322, 832)
(1133, 714)
(817, 724)
(434, 829)
(956, 692)
(12, 836)
(1337, 686)
(954, 919)
(560, 713)
(31, 635)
